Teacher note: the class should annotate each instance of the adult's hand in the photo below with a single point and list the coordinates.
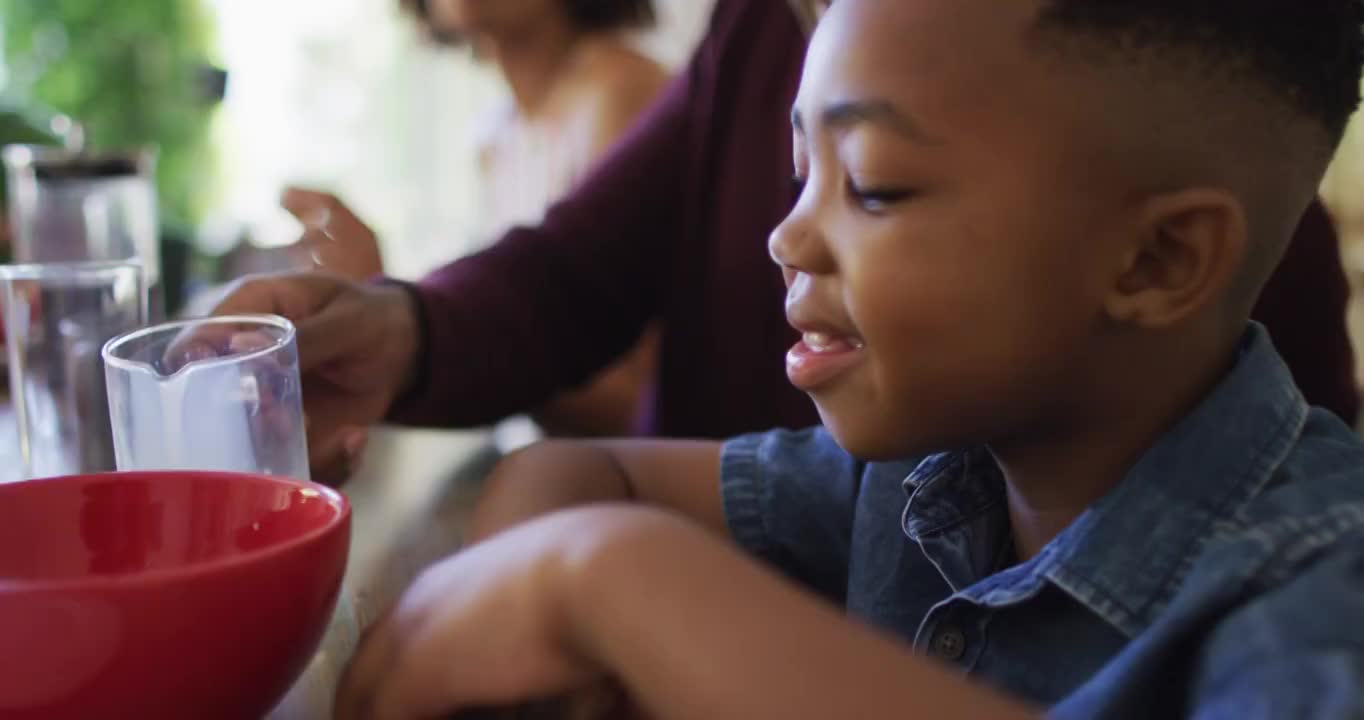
(335, 239)
(357, 349)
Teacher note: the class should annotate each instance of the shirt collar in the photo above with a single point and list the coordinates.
(1125, 557)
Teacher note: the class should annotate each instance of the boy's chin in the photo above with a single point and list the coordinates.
(866, 439)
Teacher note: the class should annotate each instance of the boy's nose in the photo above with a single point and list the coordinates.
(778, 247)
(796, 246)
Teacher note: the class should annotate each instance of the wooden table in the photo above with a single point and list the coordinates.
(410, 504)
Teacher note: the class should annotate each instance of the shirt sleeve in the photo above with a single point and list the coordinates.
(1297, 652)
(789, 499)
(546, 307)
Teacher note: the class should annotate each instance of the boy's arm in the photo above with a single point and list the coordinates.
(787, 498)
(694, 629)
(688, 626)
(683, 477)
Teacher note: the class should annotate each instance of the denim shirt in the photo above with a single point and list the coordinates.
(1223, 577)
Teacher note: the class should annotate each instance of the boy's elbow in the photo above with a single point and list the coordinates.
(544, 478)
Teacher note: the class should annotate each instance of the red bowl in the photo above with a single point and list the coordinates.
(163, 595)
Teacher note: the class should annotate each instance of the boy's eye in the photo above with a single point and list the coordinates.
(877, 200)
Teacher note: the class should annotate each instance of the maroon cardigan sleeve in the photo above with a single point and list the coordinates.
(546, 307)
(1304, 306)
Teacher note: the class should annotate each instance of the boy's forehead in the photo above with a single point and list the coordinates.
(891, 47)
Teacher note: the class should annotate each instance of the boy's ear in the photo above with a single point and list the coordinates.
(1188, 252)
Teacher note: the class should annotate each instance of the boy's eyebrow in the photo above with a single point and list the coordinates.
(843, 115)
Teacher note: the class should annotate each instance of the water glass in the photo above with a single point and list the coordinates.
(218, 393)
(57, 318)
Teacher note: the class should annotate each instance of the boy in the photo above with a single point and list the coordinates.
(670, 228)
(1028, 240)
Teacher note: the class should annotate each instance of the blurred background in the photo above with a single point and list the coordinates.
(244, 97)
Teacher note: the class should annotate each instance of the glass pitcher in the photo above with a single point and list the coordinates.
(219, 393)
(73, 206)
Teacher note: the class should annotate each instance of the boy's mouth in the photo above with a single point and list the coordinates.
(820, 357)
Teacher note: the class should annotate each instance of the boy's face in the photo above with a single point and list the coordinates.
(948, 257)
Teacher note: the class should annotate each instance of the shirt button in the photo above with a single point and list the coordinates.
(949, 643)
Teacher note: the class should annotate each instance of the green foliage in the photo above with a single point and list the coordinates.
(130, 72)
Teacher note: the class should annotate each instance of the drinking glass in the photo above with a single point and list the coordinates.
(57, 316)
(218, 393)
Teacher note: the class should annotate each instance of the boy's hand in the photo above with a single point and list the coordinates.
(487, 628)
(669, 611)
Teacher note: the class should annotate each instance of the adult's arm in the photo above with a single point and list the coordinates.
(547, 307)
(1304, 307)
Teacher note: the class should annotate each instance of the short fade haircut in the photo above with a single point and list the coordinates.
(1295, 66)
(585, 15)
(1305, 52)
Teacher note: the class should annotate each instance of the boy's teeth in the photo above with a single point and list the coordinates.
(818, 340)
(824, 342)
